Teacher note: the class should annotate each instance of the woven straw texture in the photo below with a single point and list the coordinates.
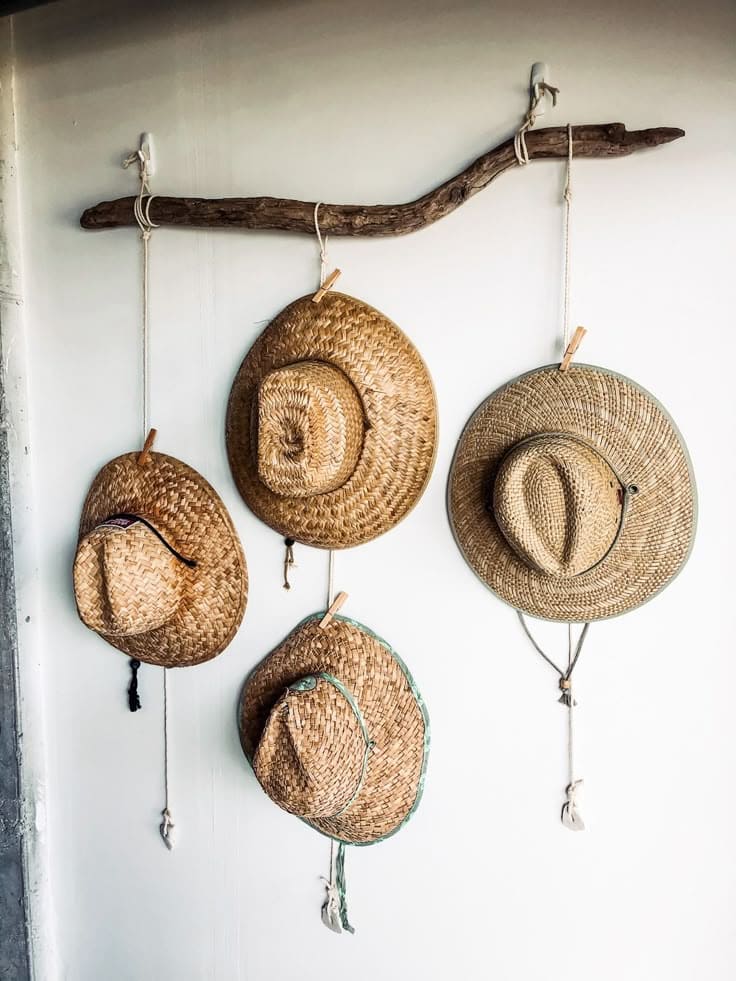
(313, 750)
(510, 533)
(303, 460)
(394, 718)
(128, 585)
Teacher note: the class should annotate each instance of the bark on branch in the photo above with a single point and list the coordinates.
(283, 214)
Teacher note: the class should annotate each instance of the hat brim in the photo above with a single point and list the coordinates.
(634, 433)
(400, 410)
(193, 518)
(392, 708)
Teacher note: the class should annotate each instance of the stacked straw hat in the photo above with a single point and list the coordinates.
(159, 570)
(337, 734)
(332, 423)
(571, 494)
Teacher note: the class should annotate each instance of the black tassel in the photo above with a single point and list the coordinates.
(288, 560)
(134, 702)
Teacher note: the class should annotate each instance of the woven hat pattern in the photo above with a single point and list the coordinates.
(192, 518)
(624, 425)
(558, 504)
(312, 753)
(384, 692)
(139, 579)
(399, 419)
(310, 429)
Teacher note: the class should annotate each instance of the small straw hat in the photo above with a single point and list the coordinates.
(159, 570)
(332, 423)
(571, 494)
(336, 731)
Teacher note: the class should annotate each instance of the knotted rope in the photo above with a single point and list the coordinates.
(570, 815)
(142, 212)
(535, 97)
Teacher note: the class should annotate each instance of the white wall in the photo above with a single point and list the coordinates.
(355, 102)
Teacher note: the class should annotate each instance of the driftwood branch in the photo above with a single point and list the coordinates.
(282, 214)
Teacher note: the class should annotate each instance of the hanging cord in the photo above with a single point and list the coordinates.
(322, 242)
(142, 212)
(535, 97)
(335, 906)
(166, 828)
(570, 815)
(567, 195)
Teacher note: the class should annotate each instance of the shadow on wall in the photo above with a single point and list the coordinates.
(115, 26)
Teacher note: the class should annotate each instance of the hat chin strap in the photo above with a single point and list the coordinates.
(570, 814)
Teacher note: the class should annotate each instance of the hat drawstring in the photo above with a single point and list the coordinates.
(134, 702)
(570, 814)
(335, 907)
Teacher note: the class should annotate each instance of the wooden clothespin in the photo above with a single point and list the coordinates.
(337, 603)
(143, 455)
(572, 347)
(327, 285)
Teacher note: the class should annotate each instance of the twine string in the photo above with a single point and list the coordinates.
(330, 577)
(322, 243)
(142, 212)
(166, 827)
(567, 195)
(536, 96)
(570, 814)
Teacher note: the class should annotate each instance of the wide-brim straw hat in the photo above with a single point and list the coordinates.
(159, 570)
(336, 731)
(332, 423)
(571, 494)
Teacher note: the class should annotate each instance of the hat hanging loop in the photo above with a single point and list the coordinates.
(142, 212)
(570, 815)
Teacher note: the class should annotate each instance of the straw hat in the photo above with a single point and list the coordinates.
(571, 494)
(159, 570)
(336, 730)
(332, 423)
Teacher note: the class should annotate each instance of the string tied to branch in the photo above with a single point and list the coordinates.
(540, 90)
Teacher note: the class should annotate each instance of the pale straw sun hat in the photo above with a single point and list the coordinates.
(571, 494)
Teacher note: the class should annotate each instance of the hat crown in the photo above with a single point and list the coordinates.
(312, 754)
(558, 503)
(310, 429)
(126, 581)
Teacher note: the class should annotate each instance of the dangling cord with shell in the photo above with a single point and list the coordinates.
(141, 210)
(570, 815)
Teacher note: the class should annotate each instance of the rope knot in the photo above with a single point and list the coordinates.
(566, 689)
(166, 828)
